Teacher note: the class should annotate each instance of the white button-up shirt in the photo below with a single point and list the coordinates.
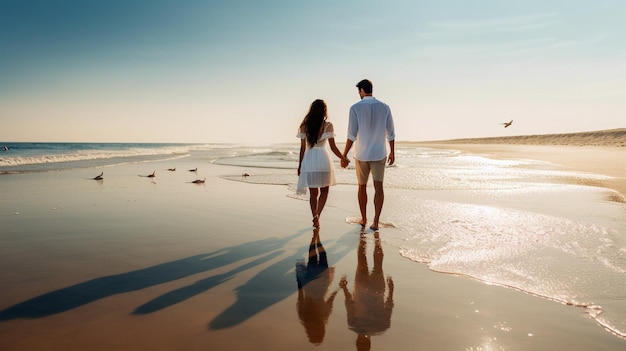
(370, 126)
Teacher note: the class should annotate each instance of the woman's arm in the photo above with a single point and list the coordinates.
(302, 149)
(333, 147)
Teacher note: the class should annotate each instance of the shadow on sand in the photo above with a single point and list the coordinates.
(266, 288)
(273, 284)
(90, 291)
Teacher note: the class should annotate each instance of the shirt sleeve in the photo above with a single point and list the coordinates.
(301, 134)
(353, 126)
(391, 131)
(329, 131)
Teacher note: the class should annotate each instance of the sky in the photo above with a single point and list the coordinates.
(246, 71)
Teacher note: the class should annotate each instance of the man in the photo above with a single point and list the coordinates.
(368, 310)
(370, 126)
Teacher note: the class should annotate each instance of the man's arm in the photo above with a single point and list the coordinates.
(391, 136)
(353, 129)
(345, 161)
(392, 152)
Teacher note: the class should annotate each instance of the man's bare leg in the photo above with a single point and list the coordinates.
(363, 203)
(379, 199)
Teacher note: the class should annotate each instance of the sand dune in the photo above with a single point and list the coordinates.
(608, 138)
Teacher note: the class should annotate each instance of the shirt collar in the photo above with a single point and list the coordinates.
(367, 97)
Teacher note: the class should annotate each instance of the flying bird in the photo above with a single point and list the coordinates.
(506, 124)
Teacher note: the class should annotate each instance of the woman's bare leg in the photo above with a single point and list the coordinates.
(321, 202)
(313, 201)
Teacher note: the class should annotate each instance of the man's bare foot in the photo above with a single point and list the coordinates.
(374, 226)
(363, 222)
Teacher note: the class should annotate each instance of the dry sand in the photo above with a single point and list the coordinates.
(137, 264)
(601, 138)
(601, 152)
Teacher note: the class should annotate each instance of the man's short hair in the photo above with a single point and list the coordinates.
(366, 85)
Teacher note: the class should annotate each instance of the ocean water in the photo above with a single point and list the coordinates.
(38, 157)
(521, 224)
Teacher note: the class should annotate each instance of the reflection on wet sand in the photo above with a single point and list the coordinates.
(369, 312)
(314, 278)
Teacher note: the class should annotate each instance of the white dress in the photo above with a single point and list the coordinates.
(317, 169)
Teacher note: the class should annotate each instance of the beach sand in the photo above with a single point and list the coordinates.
(601, 152)
(599, 138)
(133, 263)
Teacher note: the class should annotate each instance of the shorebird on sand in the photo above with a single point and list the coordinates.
(149, 175)
(172, 169)
(194, 170)
(99, 176)
(199, 181)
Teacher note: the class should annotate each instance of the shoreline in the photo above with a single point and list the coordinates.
(166, 265)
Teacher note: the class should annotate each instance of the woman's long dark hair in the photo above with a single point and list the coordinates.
(313, 121)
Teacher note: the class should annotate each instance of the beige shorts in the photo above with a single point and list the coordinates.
(364, 168)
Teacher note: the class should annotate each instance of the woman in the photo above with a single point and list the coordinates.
(314, 279)
(315, 169)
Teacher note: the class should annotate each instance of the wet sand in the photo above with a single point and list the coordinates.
(132, 263)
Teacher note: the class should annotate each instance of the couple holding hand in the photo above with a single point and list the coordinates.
(370, 127)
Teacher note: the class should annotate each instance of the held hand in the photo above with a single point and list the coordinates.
(345, 162)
